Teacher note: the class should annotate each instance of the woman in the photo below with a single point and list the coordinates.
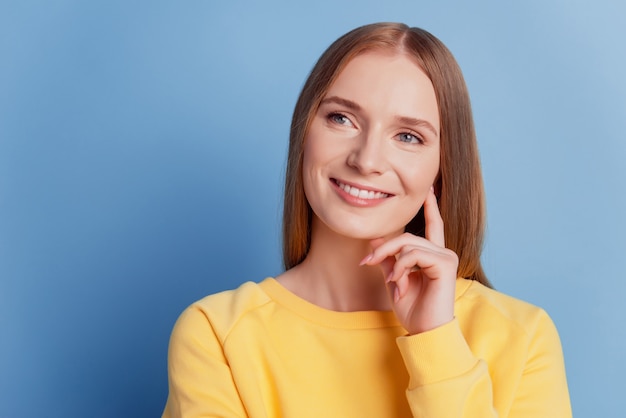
(381, 312)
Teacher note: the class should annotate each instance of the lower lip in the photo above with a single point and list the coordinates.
(355, 200)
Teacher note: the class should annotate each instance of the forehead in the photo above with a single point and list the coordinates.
(387, 82)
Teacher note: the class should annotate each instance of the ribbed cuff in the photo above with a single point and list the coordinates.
(436, 355)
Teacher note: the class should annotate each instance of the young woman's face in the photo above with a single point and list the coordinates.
(372, 150)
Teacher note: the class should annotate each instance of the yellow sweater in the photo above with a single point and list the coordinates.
(261, 351)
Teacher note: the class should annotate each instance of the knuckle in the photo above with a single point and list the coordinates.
(450, 253)
(452, 256)
(407, 236)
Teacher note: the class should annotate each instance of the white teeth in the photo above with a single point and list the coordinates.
(361, 194)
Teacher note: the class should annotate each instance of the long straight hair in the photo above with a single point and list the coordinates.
(459, 185)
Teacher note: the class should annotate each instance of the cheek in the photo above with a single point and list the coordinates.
(420, 175)
(317, 153)
(309, 164)
(309, 153)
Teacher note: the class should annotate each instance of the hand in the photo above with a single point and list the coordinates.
(420, 273)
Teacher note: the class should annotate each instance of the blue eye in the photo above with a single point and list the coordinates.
(409, 138)
(339, 119)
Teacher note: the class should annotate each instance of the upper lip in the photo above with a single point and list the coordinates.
(361, 186)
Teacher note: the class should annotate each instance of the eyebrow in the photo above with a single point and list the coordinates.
(404, 120)
(339, 100)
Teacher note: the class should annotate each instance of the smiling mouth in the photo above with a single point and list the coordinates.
(360, 193)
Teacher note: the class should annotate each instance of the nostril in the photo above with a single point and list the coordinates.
(366, 159)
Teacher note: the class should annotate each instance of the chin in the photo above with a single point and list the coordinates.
(366, 232)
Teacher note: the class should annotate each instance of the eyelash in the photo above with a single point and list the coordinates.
(418, 139)
(333, 116)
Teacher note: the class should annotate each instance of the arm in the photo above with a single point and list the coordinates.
(543, 391)
(421, 275)
(200, 381)
(447, 380)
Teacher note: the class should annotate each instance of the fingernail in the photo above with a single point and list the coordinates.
(389, 277)
(366, 259)
(396, 295)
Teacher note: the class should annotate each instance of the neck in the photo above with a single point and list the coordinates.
(331, 277)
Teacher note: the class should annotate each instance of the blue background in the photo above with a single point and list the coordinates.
(142, 149)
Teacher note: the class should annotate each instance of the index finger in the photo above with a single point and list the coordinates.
(433, 220)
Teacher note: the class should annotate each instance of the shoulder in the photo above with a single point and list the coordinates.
(221, 312)
(520, 345)
(487, 310)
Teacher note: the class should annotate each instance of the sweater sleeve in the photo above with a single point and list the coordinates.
(200, 381)
(447, 380)
(543, 391)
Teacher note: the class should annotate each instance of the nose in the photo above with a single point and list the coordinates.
(367, 155)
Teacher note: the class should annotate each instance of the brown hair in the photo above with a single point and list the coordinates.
(459, 186)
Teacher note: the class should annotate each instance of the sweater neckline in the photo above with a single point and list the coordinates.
(326, 317)
(334, 319)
